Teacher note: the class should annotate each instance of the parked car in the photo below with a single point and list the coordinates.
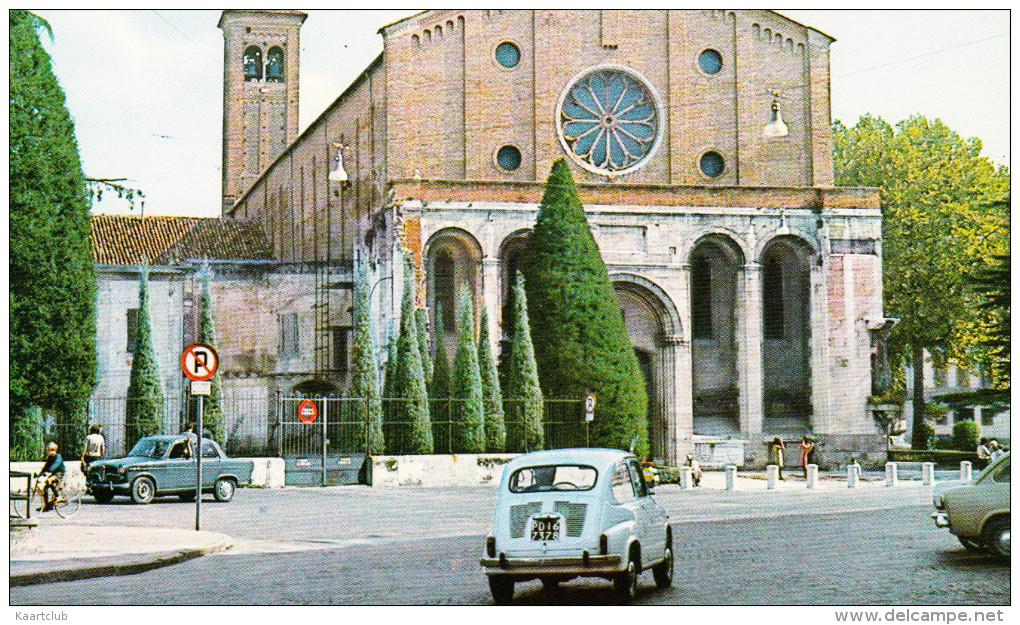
(569, 513)
(977, 512)
(161, 465)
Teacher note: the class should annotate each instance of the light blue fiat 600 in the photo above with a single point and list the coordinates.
(569, 513)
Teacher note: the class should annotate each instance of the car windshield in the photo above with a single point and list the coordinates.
(150, 448)
(553, 477)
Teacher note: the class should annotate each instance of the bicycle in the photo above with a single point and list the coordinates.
(68, 501)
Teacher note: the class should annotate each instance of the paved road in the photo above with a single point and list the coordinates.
(316, 554)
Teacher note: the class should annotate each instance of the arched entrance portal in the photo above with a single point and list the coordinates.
(786, 336)
(714, 263)
(453, 261)
(651, 323)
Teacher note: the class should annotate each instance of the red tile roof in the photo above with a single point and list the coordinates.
(127, 240)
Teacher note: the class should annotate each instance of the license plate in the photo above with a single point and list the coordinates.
(545, 528)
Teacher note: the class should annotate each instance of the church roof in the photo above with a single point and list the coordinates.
(163, 240)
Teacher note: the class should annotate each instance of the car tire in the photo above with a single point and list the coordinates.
(971, 545)
(625, 583)
(224, 489)
(502, 588)
(663, 571)
(996, 537)
(189, 496)
(102, 495)
(143, 489)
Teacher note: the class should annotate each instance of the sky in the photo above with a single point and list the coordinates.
(145, 86)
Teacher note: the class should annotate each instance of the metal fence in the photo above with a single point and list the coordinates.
(271, 426)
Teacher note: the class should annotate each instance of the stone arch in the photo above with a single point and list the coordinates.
(735, 244)
(716, 264)
(653, 326)
(314, 388)
(511, 253)
(786, 262)
(453, 258)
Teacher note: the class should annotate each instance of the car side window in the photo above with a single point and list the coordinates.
(208, 451)
(623, 488)
(637, 479)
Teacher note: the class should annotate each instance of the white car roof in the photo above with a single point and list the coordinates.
(596, 457)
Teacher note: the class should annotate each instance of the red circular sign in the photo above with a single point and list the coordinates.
(307, 411)
(199, 361)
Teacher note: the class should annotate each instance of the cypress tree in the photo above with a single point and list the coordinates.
(580, 338)
(144, 414)
(52, 316)
(411, 411)
(523, 398)
(364, 380)
(212, 407)
(495, 426)
(439, 387)
(468, 413)
(422, 319)
(390, 432)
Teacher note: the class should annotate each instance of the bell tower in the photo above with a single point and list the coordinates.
(260, 93)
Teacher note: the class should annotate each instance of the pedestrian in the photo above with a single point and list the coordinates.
(189, 429)
(95, 446)
(983, 452)
(807, 447)
(695, 469)
(51, 475)
(776, 449)
(995, 449)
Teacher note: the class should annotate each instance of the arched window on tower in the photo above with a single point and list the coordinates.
(253, 63)
(274, 64)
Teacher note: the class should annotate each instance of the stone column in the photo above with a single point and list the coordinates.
(491, 293)
(821, 381)
(680, 345)
(670, 353)
(749, 351)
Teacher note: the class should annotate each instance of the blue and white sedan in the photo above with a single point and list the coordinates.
(569, 513)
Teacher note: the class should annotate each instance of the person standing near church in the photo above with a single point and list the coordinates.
(776, 450)
(95, 446)
(807, 446)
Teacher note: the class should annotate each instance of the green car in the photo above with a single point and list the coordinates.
(978, 512)
(162, 465)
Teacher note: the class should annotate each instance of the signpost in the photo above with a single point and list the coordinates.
(589, 415)
(199, 363)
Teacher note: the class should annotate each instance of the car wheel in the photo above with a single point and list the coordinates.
(189, 496)
(502, 588)
(971, 545)
(996, 537)
(142, 490)
(102, 495)
(224, 489)
(663, 571)
(625, 583)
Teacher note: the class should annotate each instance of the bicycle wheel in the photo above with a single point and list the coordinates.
(68, 502)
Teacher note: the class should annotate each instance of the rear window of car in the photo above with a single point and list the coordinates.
(553, 477)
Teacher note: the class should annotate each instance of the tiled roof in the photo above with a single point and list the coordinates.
(125, 240)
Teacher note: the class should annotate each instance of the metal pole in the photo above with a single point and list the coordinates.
(198, 470)
(325, 440)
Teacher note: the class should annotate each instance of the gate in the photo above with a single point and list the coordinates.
(322, 440)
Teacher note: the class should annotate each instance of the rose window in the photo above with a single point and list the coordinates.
(609, 121)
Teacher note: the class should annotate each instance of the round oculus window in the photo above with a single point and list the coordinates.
(712, 164)
(508, 54)
(609, 121)
(508, 158)
(710, 61)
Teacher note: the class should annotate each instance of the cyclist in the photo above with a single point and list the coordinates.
(52, 474)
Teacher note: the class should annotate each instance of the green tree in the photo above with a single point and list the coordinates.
(468, 408)
(422, 319)
(52, 316)
(439, 387)
(522, 395)
(364, 388)
(580, 339)
(942, 215)
(390, 431)
(495, 425)
(212, 406)
(410, 413)
(144, 414)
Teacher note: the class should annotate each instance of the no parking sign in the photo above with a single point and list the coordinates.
(307, 411)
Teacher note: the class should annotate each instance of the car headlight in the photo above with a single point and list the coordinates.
(122, 469)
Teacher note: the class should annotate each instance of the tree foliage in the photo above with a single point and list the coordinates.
(144, 414)
(495, 425)
(581, 342)
(943, 216)
(364, 379)
(52, 316)
(412, 432)
(422, 319)
(212, 406)
(468, 408)
(522, 394)
(439, 386)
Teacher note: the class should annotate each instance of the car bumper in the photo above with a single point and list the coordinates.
(941, 519)
(573, 565)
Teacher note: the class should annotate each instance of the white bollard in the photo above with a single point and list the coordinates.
(812, 475)
(890, 474)
(965, 470)
(731, 477)
(772, 476)
(686, 477)
(927, 473)
(853, 473)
